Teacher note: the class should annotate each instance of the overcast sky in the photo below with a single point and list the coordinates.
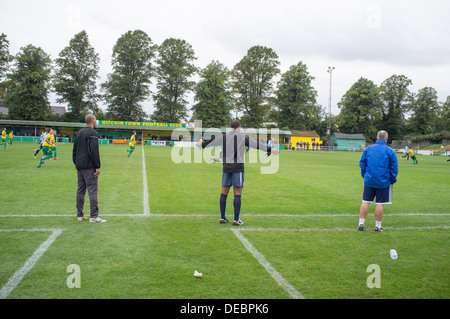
(371, 39)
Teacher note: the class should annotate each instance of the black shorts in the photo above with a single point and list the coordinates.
(382, 195)
(233, 179)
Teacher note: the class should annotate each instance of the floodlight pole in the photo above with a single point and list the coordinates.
(330, 70)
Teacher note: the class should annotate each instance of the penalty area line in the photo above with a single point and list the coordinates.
(147, 214)
(29, 264)
(74, 215)
(338, 229)
(283, 283)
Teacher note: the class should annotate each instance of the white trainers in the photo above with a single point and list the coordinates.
(97, 220)
(80, 219)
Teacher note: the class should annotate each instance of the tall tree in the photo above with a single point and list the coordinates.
(424, 117)
(4, 55)
(360, 109)
(175, 67)
(75, 77)
(253, 83)
(29, 81)
(444, 116)
(4, 62)
(129, 83)
(396, 99)
(213, 96)
(297, 99)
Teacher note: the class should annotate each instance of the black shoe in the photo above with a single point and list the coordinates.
(379, 229)
(361, 227)
(238, 223)
(223, 221)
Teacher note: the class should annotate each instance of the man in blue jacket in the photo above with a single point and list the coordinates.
(379, 168)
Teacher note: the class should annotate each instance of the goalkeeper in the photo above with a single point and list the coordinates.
(233, 148)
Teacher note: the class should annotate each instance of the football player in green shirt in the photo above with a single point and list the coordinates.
(132, 143)
(47, 148)
(4, 142)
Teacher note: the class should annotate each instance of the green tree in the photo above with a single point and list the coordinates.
(297, 99)
(213, 96)
(129, 83)
(4, 55)
(444, 116)
(425, 109)
(29, 85)
(175, 67)
(396, 101)
(360, 109)
(253, 84)
(75, 77)
(4, 64)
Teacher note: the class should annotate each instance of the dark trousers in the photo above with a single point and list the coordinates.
(86, 179)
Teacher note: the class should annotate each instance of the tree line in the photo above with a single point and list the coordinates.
(366, 107)
(249, 89)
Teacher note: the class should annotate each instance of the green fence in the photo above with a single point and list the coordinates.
(36, 139)
(25, 139)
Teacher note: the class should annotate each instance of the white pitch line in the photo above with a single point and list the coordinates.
(214, 216)
(29, 264)
(145, 184)
(268, 267)
(340, 215)
(74, 215)
(338, 229)
(30, 229)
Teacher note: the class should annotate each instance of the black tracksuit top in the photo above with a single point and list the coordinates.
(85, 153)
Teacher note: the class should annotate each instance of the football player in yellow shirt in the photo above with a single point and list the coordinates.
(10, 138)
(4, 138)
(413, 156)
(47, 148)
(132, 143)
(55, 152)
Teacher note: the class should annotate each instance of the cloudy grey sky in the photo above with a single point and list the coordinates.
(373, 39)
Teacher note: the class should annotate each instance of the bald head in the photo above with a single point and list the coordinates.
(382, 135)
(90, 120)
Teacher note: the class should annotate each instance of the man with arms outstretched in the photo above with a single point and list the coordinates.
(233, 151)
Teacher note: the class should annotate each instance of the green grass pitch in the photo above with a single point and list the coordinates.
(300, 225)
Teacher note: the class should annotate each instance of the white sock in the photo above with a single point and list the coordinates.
(361, 221)
(378, 224)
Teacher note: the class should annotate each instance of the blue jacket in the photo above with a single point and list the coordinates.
(379, 166)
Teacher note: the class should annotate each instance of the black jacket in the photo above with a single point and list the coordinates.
(85, 149)
(233, 149)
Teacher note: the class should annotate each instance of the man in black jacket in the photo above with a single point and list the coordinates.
(86, 157)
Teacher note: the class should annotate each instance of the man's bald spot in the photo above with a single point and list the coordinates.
(90, 118)
(382, 135)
